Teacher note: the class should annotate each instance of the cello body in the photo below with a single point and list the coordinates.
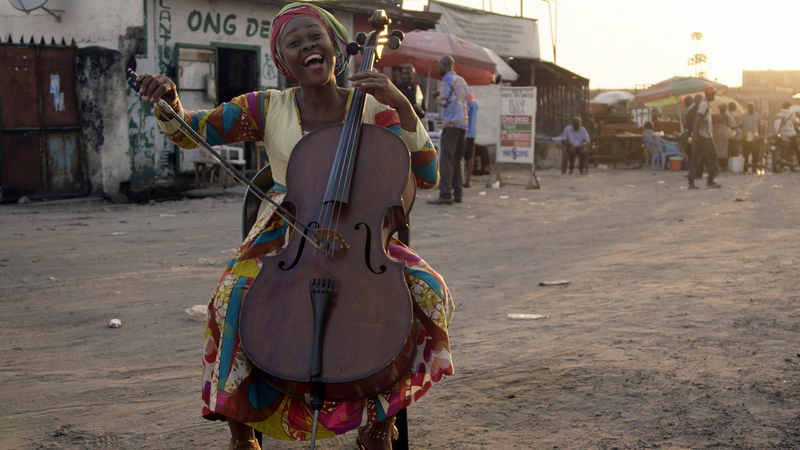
(368, 332)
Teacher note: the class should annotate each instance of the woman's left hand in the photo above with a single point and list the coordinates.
(381, 87)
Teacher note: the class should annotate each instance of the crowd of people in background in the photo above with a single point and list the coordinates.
(709, 141)
(711, 138)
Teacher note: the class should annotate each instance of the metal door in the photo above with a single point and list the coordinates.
(40, 145)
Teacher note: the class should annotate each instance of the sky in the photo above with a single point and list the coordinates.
(619, 44)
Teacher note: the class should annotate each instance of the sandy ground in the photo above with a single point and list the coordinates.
(680, 329)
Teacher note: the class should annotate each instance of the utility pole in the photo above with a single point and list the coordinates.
(553, 30)
(698, 58)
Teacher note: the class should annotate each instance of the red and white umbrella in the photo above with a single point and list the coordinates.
(423, 49)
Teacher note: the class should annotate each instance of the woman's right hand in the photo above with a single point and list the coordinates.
(156, 87)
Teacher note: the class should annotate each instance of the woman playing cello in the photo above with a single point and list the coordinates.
(308, 46)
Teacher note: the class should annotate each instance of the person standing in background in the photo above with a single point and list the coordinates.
(722, 135)
(702, 134)
(410, 88)
(469, 149)
(753, 136)
(735, 142)
(452, 98)
(785, 127)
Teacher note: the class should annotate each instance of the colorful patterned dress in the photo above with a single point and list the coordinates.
(231, 387)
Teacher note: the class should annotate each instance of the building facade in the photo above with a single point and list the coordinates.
(212, 49)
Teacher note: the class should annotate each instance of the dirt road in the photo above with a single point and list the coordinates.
(680, 329)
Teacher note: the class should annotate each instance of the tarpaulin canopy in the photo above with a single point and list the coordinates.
(668, 91)
(423, 49)
(613, 97)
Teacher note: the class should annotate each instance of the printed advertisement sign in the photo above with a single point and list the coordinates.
(517, 125)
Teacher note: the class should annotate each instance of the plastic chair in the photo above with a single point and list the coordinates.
(666, 149)
(234, 155)
(251, 203)
(250, 212)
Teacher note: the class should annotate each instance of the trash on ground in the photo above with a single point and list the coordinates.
(528, 316)
(205, 262)
(470, 217)
(739, 199)
(777, 186)
(555, 283)
(524, 199)
(167, 215)
(23, 200)
(496, 184)
(661, 182)
(181, 253)
(482, 193)
(52, 278)
(198, 313)
(632, 185)
(503, 196)
(602, 166)
(118, 233)
(114, 323)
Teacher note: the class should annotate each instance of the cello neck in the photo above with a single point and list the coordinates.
(338, 188)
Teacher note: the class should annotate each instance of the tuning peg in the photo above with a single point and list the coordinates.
(361, 38)
(353, 48)
(399, 34)
(394, 42)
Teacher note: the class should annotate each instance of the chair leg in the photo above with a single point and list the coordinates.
(402, 428)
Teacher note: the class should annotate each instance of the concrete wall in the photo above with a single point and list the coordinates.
(89, 22)
(104, 117)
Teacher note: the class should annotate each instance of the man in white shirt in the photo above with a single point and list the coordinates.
(785, 128)
(752, 140)
(702, 134)
(576, 142)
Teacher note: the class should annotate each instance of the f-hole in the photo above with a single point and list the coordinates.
(368, 249)
(282, 264)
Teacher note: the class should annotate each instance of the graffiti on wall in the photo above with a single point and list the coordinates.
(269, 74)
(55, 90)
(151, 157)
(163, 35)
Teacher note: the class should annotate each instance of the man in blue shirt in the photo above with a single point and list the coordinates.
(472, 131)
(452, 99)
(576, 142)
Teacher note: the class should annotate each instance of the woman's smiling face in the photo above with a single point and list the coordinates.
(308, 51)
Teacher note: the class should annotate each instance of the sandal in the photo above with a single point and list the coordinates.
(249, 444)
(383, 430)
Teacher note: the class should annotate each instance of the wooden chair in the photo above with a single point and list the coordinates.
(250, 212)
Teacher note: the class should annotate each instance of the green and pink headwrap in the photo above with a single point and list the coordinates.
(336, 31)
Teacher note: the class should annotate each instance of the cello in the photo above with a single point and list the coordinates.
(335, 321)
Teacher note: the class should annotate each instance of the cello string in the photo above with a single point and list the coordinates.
(351, 133)
(332, 212)
(352, 129)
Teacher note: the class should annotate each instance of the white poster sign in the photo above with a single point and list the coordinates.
(505, 35)
(517, 125)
